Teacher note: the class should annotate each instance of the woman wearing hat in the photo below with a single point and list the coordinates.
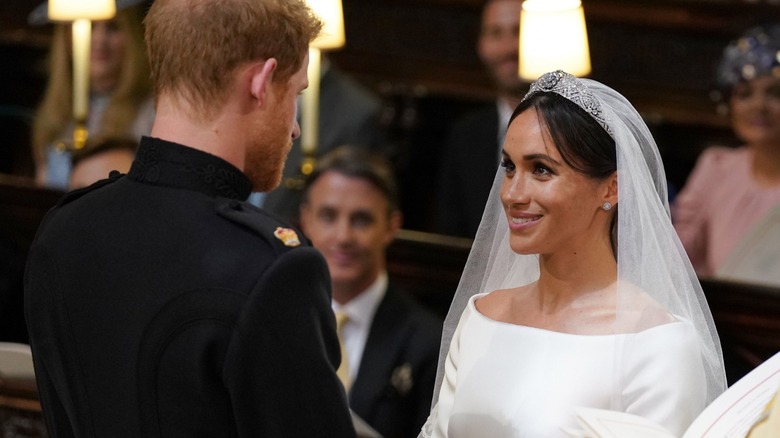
(731, 189)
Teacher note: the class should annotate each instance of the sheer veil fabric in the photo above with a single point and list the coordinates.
(651, 260)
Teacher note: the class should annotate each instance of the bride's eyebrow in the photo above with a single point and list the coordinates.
(542, 157)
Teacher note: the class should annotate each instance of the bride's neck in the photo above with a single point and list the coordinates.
(564, 279)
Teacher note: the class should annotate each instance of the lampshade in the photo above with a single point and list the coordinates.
(553, 36)
(71, 10)
(332, 15)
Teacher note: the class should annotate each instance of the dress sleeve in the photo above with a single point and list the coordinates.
(437, 423)
(689, 212)
(664, 380)
(280, 365)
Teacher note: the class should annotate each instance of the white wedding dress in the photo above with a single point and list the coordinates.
(506, 380)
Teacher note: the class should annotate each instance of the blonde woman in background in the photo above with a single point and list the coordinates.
(120, 102)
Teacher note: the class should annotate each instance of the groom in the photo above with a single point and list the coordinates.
(159, 303)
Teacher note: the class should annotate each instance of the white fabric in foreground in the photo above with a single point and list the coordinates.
(526, 381)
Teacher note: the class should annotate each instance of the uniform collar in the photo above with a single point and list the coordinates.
(169, 164)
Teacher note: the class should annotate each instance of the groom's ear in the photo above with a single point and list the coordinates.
(260, 76)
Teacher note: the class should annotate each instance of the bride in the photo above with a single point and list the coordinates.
(577, 291)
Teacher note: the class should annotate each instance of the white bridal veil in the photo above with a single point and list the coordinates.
(650, 257)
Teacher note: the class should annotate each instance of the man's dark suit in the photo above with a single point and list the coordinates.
(160, 305)
(394, 384)
(469, 163)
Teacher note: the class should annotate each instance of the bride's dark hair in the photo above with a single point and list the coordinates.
(582, 142)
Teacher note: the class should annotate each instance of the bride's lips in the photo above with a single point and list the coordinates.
(523, 221)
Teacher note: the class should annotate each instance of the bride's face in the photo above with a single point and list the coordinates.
(550, 206)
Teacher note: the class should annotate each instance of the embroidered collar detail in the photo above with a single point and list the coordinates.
(165, 163)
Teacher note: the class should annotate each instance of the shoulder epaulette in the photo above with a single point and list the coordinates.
(279, 235)
(71, 196)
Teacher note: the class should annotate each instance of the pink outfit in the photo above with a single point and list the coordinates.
(719, 205)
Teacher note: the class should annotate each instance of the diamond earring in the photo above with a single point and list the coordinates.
(606, 206)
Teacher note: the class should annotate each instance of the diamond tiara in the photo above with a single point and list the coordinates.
(573, 89)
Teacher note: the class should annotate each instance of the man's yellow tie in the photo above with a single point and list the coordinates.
(343, 371)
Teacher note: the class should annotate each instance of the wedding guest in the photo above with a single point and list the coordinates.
(577, 291)
(732, 189)
(160, 303)
(473, 145)
(120, 97)
(350, 213)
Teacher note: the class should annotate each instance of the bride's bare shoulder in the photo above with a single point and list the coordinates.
(497, 304)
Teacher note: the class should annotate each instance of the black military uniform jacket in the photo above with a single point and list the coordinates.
(161, 305)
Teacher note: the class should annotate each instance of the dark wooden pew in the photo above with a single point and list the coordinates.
(747, 317)
(20, 411)
(428, 266)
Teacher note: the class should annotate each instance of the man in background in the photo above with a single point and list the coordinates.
(473, 146)
(350, 213)
(160, 304)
